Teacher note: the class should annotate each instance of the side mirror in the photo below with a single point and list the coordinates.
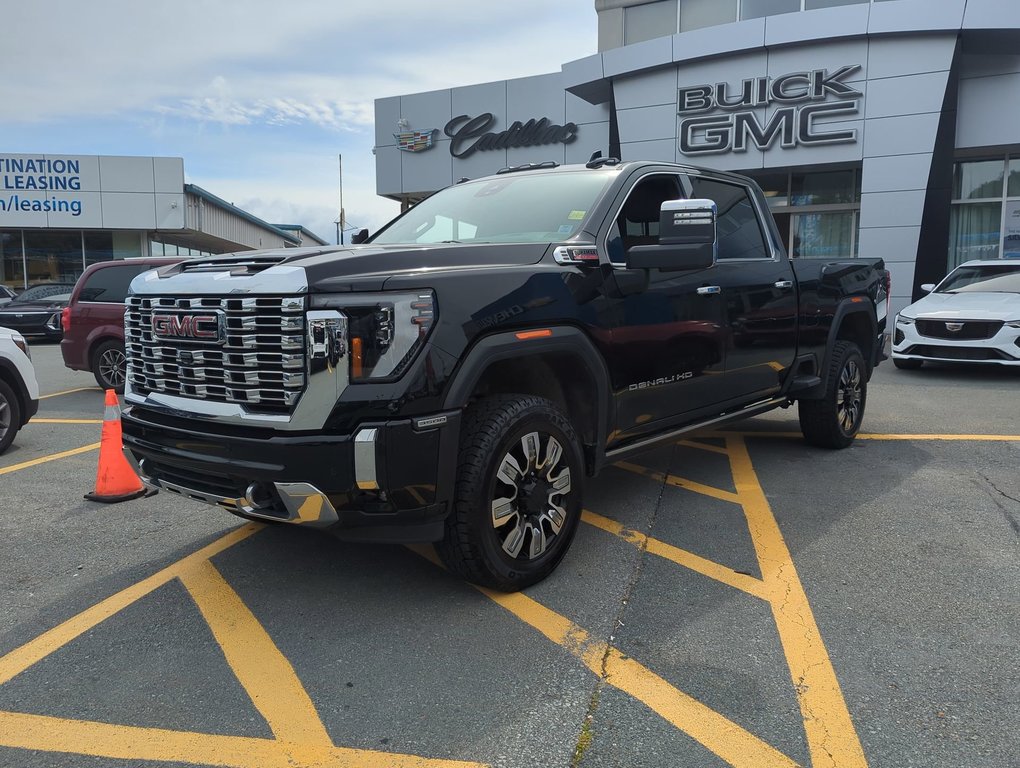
(927, 287)
(687, 238)
(359, 237)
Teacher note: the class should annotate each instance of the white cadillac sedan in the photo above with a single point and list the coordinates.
(972, 316)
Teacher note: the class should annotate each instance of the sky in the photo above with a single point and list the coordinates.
(261, 98)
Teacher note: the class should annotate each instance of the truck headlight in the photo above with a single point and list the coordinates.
(384, 330)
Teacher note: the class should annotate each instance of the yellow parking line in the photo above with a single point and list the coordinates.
(262, 670)
(713, 570)
(20, 659)
(51, 734)
(830, 733)
(70, 392)
(712, 730)
(50, 457)
(702, 446)
(67, 421)
(679, 482)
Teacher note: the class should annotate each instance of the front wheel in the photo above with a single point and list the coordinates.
(834, 420)
(10, 416)
(518, 494)
(109, 366)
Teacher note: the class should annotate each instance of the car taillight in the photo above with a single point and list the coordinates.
(65, 319)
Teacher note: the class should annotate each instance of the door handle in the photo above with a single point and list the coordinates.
(784, 284)
(709, 290)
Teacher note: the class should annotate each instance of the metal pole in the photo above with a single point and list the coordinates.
(340, 168)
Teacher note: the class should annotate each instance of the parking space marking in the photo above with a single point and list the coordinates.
(880, 436)
(70, 392)
(265, 674)
(50, 457)
(66, 421)
(711, 569)
(714, 731)
(51, 734)
(679, 482)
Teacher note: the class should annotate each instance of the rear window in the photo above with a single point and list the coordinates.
(110, 284)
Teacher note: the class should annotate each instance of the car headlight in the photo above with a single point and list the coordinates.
(20, 343)
(1013, 323)
(901, 318)
(384, 330)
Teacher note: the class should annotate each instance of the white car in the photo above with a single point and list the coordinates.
(972, 316)
(19, 391)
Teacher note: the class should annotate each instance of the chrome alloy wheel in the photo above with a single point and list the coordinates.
(113, 367)
(848, 396)
(5, 416)
(529, 518)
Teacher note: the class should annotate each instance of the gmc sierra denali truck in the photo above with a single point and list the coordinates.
(457, 377)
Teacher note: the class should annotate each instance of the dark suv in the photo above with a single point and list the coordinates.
(93, 322)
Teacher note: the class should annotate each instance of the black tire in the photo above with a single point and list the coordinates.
(109, 366)
(906, 364)
(530, 440)
(10, 416)
(834, 420)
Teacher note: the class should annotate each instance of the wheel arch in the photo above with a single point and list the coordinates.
(561, 365)
(9, 375)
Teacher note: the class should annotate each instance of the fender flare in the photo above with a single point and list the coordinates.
(563, 340)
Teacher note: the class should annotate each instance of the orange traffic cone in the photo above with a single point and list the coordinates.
(115, 480)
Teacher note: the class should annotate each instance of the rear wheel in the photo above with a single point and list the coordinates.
(834, 420)
(10, 416)
(518, 495)
(109, 366)
(907, 364)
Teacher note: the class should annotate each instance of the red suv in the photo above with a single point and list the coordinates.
(93, 323)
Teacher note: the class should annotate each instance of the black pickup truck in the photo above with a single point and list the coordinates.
(458, 376)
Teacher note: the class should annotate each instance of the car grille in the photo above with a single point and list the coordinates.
(972, 329)
(254, 356)
(956, 353)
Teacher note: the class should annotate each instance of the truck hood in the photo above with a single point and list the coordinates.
(966, 306)
(338, 268)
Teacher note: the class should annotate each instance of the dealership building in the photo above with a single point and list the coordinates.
(60, 213)
(877, 128)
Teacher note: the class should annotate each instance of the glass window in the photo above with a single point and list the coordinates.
(513, 208)
(824, 188)
(974, 230)
(695, 14)
(739, 230)
(1013, 185)
(755, 9)
(110, 284)
(823, 235)
(998, 278)
(776, 187)
(810, 5)
(98, 247)
(977, 180)
(53, 256)
(12, 266)
(648, 21)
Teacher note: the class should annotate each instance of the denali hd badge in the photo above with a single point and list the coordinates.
(205, 327)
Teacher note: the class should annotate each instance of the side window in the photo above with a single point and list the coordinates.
(740, 232)
(638, 222)
(110, 284)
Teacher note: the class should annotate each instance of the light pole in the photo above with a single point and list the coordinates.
(340, 221)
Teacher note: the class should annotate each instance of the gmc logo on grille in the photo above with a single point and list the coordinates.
(198, 327)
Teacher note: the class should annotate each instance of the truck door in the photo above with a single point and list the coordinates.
(668, 348)
(758, 291)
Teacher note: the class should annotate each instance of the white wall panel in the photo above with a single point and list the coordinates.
(988, 111)
(907, 95)
(898, 56)
(892, 209)
(906, 135)
(126, 174)
(896, 173)
(123, 210)
(833, 23)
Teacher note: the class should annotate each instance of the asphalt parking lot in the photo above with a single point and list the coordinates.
(737, 599)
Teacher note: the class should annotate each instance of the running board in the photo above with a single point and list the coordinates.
(624, 451)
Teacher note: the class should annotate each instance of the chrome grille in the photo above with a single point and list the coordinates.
(259, 362)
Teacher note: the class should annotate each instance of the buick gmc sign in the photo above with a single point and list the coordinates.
(722, 117)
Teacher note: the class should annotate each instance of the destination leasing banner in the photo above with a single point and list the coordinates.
(29, 184)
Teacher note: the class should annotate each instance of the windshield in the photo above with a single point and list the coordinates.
(531, 208)
(48, 291)
(995, 278)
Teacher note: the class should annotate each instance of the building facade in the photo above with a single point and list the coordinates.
(877, 128)
(60, 213)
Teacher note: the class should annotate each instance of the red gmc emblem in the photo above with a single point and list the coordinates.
(198, 327)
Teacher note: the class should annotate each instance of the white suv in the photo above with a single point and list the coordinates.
(19, 392)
